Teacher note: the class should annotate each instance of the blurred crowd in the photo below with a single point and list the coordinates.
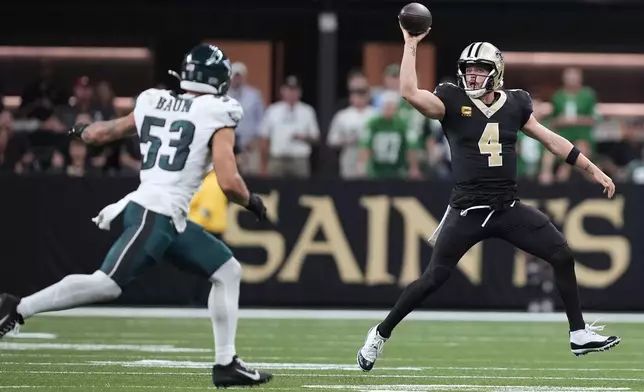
(33, 137)
(374, 133)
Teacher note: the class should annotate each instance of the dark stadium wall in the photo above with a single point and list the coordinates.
(331, 244)
(169, 28)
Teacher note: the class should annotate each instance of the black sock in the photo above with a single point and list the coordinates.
(566, 282)
(412, 297)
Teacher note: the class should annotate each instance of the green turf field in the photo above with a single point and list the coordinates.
(143, 354)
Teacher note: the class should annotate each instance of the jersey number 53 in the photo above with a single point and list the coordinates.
(185, 131)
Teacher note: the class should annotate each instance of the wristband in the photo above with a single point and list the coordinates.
(573, 155)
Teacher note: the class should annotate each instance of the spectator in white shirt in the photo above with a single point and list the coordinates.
(247, 131)
(346, 127)
(356, 79)
(288, 130)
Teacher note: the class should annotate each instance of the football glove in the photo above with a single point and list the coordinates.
(257, 207)
(77, 130)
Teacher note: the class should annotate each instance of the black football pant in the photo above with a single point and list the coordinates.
(523, 226)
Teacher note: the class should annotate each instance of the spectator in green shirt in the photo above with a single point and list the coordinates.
(388, 148)
(573, 117)
(530, 151)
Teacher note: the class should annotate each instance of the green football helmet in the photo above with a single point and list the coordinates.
(206, 69)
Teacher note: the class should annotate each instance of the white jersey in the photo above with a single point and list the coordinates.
(175, 133)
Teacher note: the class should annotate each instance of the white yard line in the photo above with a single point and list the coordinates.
(342, 367)
(451, 387)
(195, 365)
(130, 387)
(261, 358)
(30, 335)
(109, 386)
(100, 347)
(339, 375)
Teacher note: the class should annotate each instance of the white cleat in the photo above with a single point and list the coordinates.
(371, 350)
(586, 341)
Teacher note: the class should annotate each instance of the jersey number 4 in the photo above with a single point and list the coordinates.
(489, 144)
(185, 131)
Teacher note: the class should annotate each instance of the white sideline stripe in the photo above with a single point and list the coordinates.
(310, 314)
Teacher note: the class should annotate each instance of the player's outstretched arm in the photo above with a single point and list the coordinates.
(102, 132)
(228, 177)
(424, 101)
(225, 165)
(564, 149)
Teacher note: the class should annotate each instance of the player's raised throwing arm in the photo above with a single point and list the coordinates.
(228, 177)
(102, 132)
(565, 150)
(424, 101)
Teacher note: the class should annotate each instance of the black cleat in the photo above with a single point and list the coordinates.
(371, 350)
(591, 347)
(237, 373)
(587, 341)
(9, 317)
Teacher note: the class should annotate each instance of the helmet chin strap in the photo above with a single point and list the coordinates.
(197, 87)
(173, 73)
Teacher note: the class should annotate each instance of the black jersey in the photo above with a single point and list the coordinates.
(483, 141)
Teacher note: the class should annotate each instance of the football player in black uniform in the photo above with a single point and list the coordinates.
(481, 122)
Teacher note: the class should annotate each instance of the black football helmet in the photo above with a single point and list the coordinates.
(205, 69)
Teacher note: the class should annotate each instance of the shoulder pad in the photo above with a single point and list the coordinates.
(445, 86)
(225, 110)
(519, 90)
(523, 95)
(148, 95)
(222, 101)
(450, 94)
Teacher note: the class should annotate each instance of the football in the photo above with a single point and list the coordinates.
(415, 18)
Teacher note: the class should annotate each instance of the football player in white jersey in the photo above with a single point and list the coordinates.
(181, 136)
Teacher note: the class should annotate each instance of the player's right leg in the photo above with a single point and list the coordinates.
(146, 233)
(530, 230)
(198, 251)
(455, 235)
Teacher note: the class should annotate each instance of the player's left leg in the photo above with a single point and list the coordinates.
(456, 234)
(71, 291)
(530, 230)
(197, 251)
